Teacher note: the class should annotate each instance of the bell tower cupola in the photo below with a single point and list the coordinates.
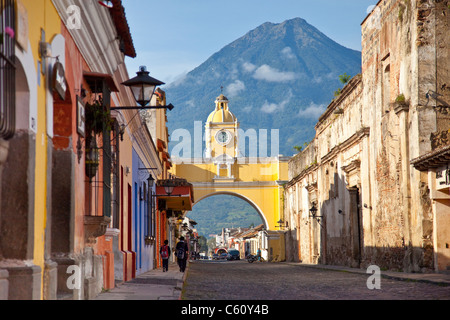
(221, 135)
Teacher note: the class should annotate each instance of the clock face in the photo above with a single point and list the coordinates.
(223, 137)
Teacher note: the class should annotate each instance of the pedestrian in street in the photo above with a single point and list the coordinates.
(164, 251)
(182, 253)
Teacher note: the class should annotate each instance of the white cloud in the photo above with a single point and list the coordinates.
(287, 53)
(234, 88)
(268, 107)
(190, 103)
(178, 80)
(247, 109)
(313, 111)
(248, 67)
(267, 73)
(328, 76)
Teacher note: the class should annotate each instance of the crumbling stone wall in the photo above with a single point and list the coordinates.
(439, 97)
(396, 111)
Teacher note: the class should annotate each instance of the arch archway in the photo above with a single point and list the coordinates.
(17, 183)
(257, 180)
(260, 184)
(240, 196)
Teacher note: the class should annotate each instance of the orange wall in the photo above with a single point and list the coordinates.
(75, 65)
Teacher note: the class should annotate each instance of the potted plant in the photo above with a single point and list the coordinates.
(98, 118)
(97, 121)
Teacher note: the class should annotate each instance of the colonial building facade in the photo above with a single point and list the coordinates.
(79, 204)
(375, 171)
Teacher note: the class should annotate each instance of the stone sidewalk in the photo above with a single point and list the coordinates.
(436, 278)
(152, 285)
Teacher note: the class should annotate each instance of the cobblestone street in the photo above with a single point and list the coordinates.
(239, 280)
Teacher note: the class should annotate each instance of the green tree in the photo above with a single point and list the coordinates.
(203, 244)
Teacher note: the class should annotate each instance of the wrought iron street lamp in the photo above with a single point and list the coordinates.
(169, 186)
(143, 87)
(92, 159)
(313, 213)
(150, 181)
(282, 224)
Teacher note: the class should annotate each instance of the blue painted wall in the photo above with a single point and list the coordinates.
(144, 253)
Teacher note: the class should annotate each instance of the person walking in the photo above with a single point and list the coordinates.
(182, 252)
(164, 251)
(258, 254)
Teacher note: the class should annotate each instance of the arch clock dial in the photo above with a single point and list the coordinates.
(223, 137)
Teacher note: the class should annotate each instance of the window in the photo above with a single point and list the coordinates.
(7, 69)
(386, 86)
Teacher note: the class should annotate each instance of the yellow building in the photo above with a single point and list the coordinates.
(225, 169)
(49, 223)
(25, 181)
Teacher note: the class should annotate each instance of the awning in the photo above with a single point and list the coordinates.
(161, 145)
(94, 79)
(182, 196)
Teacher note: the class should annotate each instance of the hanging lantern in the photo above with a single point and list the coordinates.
(92, 158)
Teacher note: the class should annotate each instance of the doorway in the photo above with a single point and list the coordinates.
(356, 225)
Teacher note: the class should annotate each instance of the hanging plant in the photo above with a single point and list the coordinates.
(98, 118)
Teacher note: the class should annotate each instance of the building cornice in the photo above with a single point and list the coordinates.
(96, 37)
(346, 91)
(301, 175)
(355, 138)
(236, 184)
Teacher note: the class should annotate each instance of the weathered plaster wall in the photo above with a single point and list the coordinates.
(375, 207)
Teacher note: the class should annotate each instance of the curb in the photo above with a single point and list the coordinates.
(184, 279)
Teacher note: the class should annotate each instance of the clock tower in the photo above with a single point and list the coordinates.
(221, 134)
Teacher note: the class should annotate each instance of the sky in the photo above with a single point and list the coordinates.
(172, 37)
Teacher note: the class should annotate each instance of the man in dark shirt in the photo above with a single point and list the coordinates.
(182, 252)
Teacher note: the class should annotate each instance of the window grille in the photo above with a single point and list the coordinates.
(7, 69)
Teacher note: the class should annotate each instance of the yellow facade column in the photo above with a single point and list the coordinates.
(43, 19)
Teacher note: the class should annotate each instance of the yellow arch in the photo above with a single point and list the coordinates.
(260, 183)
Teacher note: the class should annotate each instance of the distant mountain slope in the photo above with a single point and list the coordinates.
(223, 211)
(277, 76)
